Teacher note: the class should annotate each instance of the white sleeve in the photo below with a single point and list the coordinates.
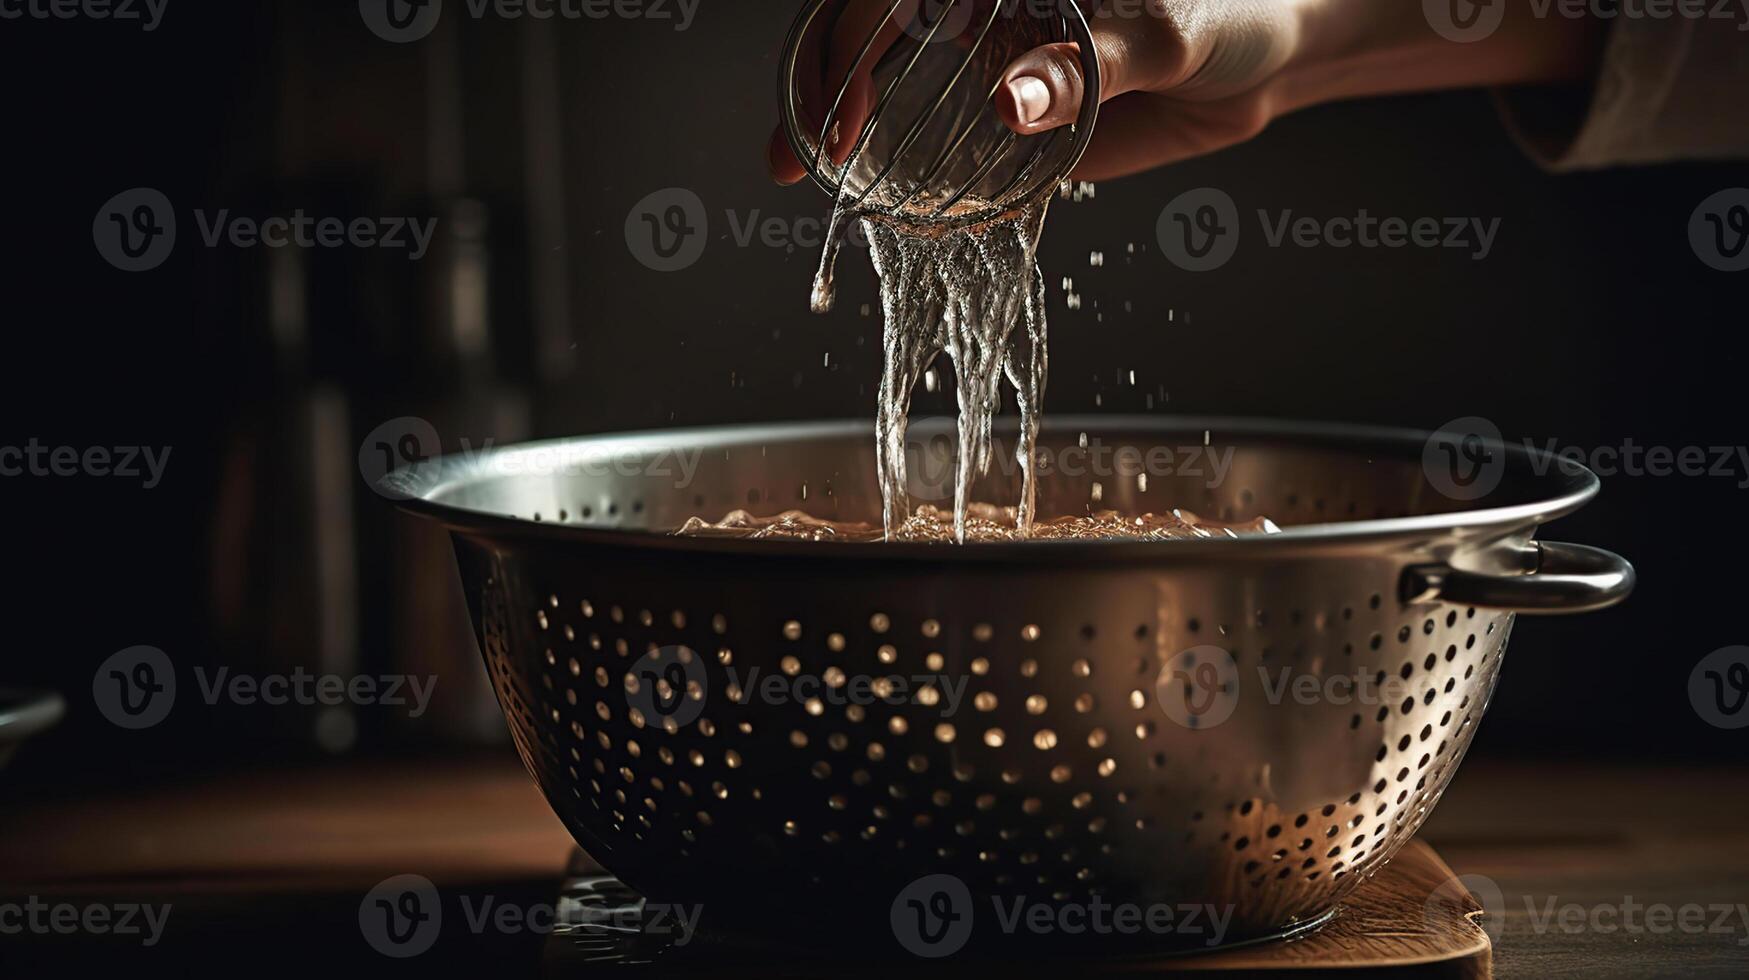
(1668, 89)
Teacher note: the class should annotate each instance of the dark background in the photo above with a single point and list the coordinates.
(1592, 322)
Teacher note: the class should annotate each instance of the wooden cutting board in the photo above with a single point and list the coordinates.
(1388, 928)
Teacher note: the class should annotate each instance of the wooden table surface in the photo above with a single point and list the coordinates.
(264, 873)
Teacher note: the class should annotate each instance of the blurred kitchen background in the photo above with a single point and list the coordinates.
(530, 141)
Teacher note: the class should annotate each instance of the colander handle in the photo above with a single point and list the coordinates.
(1558, 578)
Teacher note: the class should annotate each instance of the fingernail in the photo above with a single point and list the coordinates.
(1032, 98)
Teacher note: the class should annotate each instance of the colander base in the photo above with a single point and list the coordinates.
(601, 920)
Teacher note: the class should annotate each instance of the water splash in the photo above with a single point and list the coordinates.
(987, 524)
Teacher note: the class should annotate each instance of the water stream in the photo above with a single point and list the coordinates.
(974, 293)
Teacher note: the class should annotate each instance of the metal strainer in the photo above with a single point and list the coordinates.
(814, 728)
(932, 144)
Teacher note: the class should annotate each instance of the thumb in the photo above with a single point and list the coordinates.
(1044, 88)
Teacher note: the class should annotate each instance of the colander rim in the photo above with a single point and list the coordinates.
(418, 490)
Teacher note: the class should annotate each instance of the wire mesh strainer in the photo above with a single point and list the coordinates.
(805, 730)
(932, 144)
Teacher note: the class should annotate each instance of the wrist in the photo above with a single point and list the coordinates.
(1352, 48)
(1355, 48)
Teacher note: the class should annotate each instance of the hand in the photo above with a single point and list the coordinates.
(1179, 78)
(1182, 78)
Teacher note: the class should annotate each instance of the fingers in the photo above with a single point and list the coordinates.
(829, 53)
(781, 160)
(847, 59)
(1044, 88)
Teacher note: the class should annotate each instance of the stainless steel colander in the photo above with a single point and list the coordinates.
(1255, 723)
